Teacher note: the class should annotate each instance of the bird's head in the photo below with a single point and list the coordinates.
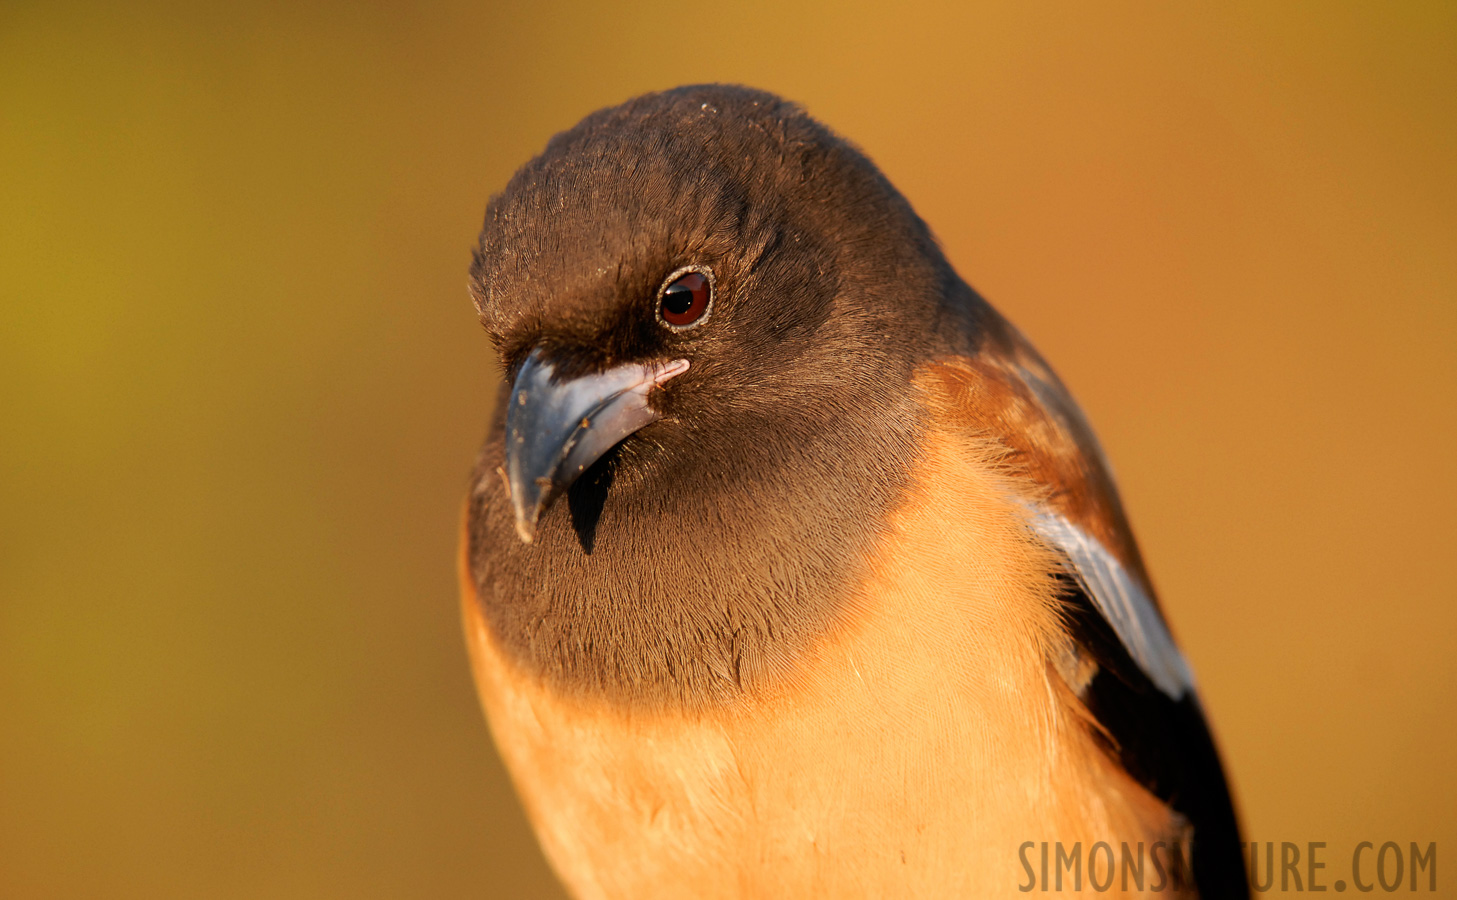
(708, 307)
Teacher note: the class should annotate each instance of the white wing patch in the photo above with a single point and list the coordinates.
(1122, 602)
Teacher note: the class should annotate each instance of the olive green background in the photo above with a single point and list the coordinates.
(241, 384)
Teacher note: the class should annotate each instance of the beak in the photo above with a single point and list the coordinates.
(555, 430)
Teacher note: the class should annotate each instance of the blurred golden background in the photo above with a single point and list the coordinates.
(241, 384)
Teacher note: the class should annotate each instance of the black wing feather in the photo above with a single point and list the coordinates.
(1166, 745)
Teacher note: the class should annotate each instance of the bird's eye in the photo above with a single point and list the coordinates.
(685, 301)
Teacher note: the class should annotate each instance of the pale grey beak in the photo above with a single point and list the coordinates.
(555, 430)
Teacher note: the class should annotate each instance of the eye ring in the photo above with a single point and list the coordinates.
(680, 306)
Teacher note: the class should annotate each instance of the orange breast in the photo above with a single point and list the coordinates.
(910, 754)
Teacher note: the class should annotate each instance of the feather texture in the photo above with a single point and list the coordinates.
(1122, 601)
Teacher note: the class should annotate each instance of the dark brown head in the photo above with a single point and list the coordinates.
(708, 308)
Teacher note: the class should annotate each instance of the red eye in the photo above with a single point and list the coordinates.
(685, 302)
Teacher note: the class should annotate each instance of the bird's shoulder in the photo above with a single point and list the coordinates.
(1121, 660)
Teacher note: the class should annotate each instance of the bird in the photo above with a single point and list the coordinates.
(788, 567)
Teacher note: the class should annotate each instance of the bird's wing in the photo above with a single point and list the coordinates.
(1141, 691)
(1009, 394)
(1123, 603)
